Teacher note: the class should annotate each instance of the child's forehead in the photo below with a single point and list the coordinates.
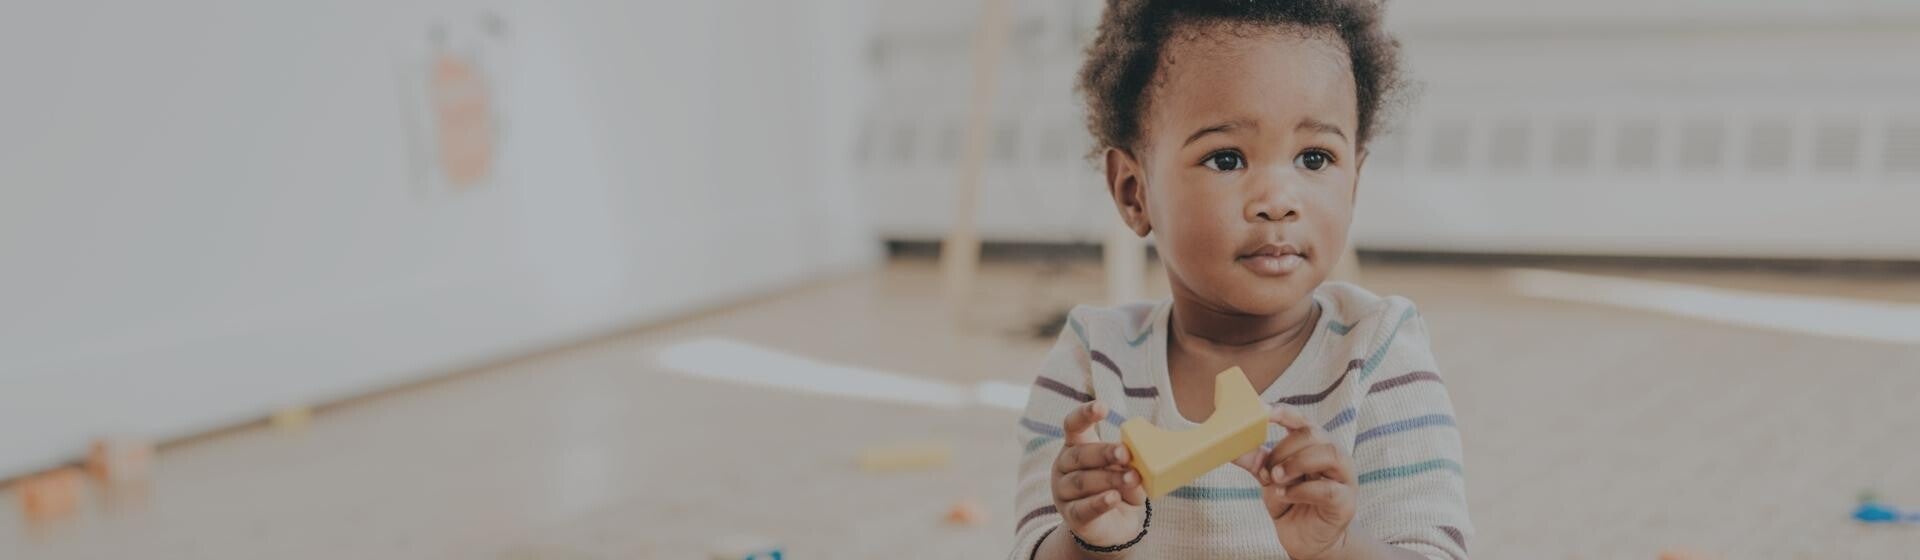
(1249, 73)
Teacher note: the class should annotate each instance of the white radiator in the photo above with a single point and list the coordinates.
(1791, 131)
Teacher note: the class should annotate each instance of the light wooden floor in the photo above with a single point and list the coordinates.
(1591, 433)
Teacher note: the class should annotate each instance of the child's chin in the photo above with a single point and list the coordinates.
(1266, 300)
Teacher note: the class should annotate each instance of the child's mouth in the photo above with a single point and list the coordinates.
(1274, 260)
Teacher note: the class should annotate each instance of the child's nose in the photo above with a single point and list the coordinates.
(1275, 216)
(1272, 199)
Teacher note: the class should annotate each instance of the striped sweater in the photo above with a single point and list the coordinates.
(1366, 374)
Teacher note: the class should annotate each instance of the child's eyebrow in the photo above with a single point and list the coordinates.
(1222, 127)
(1308, 124)
(1316, 125)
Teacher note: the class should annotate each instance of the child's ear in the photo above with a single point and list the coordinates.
(1125, 183)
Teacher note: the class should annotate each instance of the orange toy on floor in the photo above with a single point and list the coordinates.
(51, 494)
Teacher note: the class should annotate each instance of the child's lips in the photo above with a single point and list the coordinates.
(1274, 259)
(1273, 265)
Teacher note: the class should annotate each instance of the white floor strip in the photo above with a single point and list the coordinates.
(739, 362)
(998, 394)
(1878, 321)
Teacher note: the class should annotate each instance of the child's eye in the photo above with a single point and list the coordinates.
(1313, 160)
(1227, 160)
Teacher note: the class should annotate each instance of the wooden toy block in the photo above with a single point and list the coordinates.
(119, 460)
(905, 458)
(1167, 459)
(291, 419)
(51, 494)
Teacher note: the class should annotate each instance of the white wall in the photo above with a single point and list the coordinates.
(1777, 131)
(1589, 82)
(208, 211)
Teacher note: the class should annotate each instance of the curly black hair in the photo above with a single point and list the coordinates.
(1125, 55)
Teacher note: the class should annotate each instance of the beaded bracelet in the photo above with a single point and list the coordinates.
(1122, 546)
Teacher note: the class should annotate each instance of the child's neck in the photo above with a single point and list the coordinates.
(1196, 326)
(1202, 341)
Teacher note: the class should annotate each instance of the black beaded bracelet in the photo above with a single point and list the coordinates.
(1148, 522)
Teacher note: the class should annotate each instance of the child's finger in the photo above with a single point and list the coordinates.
(1091, 456)
(1321, 493)
(1251, 461)
(1134, 489)
(1079, 424)
(1289, 418)
(1300, 434)
(1080, 484)
(1321, 461)
(1275, 499)
(1295, 441)
(1090, 507)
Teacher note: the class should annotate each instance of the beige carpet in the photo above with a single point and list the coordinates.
(1591, 432)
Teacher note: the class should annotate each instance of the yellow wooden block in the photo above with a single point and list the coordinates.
(1167, 460)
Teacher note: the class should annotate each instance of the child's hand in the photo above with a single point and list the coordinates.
(1307, 484)
(1097, 493)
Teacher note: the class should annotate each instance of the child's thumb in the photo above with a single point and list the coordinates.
(1134, 494)
(1251, 462)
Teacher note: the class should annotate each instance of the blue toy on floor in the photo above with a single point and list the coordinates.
(1881, 513)
(1872, 511)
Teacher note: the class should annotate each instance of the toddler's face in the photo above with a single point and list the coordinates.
(1247, 172)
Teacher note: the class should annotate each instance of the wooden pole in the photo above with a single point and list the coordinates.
(960, 251)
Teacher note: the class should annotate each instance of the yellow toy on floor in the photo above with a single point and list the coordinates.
(905, 457)
(1168, 460)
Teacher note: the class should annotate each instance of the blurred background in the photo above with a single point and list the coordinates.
(458, 279)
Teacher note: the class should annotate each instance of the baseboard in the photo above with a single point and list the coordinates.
(1014, 251)
(1017, 251)
(1747, 264)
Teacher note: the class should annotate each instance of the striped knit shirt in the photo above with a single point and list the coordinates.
(1366, 374)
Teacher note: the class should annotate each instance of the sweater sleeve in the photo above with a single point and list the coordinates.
(1061, 385)
(1407, 450)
